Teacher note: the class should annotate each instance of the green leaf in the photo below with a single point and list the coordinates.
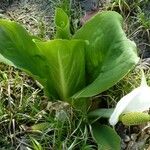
(40, 126)
(59, 65)
(18, 49)
(66, 66)
(109, 55)
(36, 144)
(105, 137)
(100, 113)
(62, 24)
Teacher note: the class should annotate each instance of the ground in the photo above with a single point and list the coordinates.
(23, 102)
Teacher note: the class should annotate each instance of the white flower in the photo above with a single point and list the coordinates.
(136, 101)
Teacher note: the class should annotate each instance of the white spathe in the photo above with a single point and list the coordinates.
(137, 100)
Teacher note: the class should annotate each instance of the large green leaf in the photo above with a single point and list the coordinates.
(66, 66)
(18, 49)
(59, 65)
(109, 55)
(105, 137)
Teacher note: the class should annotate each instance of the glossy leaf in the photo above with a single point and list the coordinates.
(66, 66)
(18, 49)
(105, 137)
(59, 65)
(109, 55)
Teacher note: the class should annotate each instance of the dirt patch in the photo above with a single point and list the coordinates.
(35, 15)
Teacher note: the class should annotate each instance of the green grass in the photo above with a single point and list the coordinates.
(137, 21)
(27, 117)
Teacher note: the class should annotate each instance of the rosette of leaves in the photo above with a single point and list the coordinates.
(72, 68)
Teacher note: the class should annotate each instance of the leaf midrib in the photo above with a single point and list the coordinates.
(63, 88)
